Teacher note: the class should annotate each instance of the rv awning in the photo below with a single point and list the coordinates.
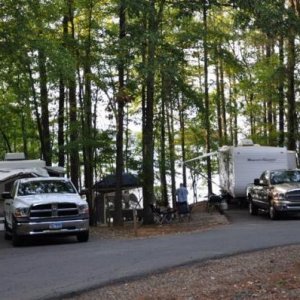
(108, 183)
(201, 157)
(6, 174)
(55, 170)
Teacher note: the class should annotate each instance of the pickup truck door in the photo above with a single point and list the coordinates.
(8, 211)
(256, 192)
(8, 204)
(264, 190)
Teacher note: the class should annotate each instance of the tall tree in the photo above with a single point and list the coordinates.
(163, 179)
(73, 144)
(88, 148)
(148, 139)
(121, 100)
(291, 56)
(206, 97)
(62, 99)
(45, 137)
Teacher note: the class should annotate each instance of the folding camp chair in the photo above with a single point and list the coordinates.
(162, 216)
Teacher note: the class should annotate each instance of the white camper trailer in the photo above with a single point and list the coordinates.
(15, 166)
(238, 166)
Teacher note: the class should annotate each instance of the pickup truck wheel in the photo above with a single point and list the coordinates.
(273, 213)
(253, 209)
(83, 236)
(7, 235)
(16, 239)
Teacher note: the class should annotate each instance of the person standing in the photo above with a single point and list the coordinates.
(182, 199)
(182, 193)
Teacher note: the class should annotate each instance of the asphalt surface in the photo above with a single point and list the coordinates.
(50, 269)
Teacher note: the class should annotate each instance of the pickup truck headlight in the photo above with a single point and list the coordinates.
(83, 209)
(21, 212)
(278, 196)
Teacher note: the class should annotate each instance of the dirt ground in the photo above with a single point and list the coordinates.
(268, 274)
(200, 219)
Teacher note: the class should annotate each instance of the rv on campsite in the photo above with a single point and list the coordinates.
(15, 166)
(238, 166)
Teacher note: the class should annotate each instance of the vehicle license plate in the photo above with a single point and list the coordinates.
(55, 226)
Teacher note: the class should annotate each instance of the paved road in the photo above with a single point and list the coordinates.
(55, 268)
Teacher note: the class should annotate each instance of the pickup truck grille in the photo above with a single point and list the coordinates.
(293, 196)
(53, 210)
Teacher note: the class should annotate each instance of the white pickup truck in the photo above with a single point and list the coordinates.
(45, 206)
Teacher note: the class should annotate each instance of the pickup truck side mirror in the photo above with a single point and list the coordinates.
(256, 181)
(83, 192)
(6, 195)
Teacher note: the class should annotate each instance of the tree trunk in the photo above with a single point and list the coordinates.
(223, 104)
(36, 108)
(281, 93)
(148, 139)
(118, 218)
(291, 116)
(6, 140)
(163, 180)
(87, 126)
(61, 104)
(170, 123)
(234, 113)
(218, 104)
(291, 59)
(46, 141)
(74, 155)
(270, 104)
(252, 118)
(207, 106)
(182, 138)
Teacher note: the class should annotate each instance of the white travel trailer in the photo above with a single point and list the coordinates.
(15, 166)
(238, 166)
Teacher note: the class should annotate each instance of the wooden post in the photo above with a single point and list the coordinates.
(135, 222)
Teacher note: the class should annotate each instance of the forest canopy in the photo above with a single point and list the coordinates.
(106, 87)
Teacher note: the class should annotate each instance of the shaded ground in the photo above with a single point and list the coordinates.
(200, 220)
(267, 274)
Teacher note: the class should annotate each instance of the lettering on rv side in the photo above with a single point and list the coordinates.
(261, 159)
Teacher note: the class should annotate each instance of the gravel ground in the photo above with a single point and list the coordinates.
(267, 274)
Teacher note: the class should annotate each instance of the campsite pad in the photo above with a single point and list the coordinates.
(200, 220)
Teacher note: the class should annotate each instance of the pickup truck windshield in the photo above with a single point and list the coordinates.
(45, 187)
(285, 176)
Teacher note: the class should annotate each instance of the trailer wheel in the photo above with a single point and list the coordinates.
(253, 209)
